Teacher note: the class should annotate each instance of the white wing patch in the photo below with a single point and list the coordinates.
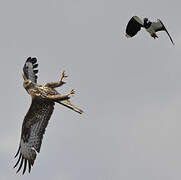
(156, 25)
(151, 30)
(138, 20)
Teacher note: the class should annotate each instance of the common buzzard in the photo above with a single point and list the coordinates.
(36, 120)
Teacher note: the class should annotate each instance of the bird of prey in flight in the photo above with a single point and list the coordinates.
(135, 24)
(36, 120)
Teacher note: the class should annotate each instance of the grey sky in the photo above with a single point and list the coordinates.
(128, 88)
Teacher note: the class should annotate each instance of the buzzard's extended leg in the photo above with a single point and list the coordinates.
(60, 97)
(57, 84)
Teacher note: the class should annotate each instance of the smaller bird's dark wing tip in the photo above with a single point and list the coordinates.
(165, 29)
(133, 26)
(173, 43)
(162, 24)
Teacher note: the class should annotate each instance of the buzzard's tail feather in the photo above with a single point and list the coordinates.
(68, 104)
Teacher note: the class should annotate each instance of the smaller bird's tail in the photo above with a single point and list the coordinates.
(68, 104)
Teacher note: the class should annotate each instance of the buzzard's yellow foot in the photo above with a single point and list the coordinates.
(71, 92)
(63, 76)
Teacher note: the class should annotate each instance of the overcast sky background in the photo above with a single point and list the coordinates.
(130, 89)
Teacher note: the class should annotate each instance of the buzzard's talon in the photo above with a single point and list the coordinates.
(63, 76)
(71, 92)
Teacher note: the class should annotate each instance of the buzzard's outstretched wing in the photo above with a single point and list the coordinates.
(29, 69)
(33, 128)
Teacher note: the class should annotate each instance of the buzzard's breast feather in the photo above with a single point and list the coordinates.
(33, 128)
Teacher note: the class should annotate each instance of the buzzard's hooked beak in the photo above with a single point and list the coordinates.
(24, 77)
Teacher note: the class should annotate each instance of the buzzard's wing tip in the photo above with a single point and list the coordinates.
(81, 112)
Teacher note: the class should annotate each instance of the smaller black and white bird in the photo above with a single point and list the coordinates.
(135, 24)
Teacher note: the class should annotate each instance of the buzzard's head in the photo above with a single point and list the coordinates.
(28, 84)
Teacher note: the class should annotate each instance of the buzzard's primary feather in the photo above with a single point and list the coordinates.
(29, 69)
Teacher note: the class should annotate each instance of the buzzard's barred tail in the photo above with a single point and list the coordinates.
(68, 104)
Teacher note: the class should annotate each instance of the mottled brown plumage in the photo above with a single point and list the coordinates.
(39, 113)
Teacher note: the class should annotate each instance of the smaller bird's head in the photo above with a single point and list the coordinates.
(145, 19)
(146, 23)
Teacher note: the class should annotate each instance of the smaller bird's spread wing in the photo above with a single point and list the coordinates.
(159, 26)
(33, 128)
(29, 69)
(134, 25)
